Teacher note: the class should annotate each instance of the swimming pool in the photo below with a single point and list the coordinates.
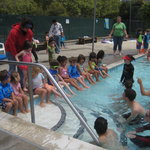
(96, 101)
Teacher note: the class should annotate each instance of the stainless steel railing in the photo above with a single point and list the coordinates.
(84, 123)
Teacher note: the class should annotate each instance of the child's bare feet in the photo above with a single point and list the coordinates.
(68, 95)
(15, 114)
(42, 104)
(23, 111)
(28, 110)
(80, 89)
(87, 87)
(25, 89)
(48, 102)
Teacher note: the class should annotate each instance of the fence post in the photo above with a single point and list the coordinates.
(31, 93)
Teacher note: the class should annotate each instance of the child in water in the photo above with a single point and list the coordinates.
(82, 70)
(73, 72)
(128, 69)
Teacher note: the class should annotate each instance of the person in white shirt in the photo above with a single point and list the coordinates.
(56, 32)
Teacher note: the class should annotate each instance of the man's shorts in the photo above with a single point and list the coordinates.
(138, 119)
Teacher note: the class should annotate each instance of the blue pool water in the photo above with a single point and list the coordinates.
(97, 100)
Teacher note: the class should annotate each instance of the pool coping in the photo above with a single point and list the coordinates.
(41, 136)
(120, 62)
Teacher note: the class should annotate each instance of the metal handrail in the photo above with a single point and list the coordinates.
(84, 123)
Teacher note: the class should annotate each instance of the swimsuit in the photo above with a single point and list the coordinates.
(73, 72)
(93, 64)
(26, 58)
(64, 72)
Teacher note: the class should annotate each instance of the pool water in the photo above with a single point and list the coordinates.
(97, 101)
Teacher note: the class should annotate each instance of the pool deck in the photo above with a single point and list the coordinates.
(16, 133)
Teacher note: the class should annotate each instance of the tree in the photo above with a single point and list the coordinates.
(145, 11)
(16, 7)
(56, 9)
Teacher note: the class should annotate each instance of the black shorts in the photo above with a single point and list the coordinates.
(137, 120)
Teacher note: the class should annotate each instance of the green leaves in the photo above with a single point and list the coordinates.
(84, 8)
(19, 7)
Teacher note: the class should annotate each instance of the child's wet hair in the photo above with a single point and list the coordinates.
(3, 75)
(80, 57)
(101, 125)
(128, 84)
(92, 55)
(61, 59)
(27, 44)
(130, 94)
(13, 77)
(100, 54)
(72, 59)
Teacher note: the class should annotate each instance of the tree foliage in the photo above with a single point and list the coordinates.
(84, 8)
(19, 7)
(145, 11)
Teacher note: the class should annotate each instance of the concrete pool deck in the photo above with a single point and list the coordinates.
(9, 123)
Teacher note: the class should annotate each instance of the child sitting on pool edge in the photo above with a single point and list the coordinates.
(54, 65)
(73, 72)
(82, 70)
(7, 98)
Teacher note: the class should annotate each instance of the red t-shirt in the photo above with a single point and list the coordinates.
(16, 38)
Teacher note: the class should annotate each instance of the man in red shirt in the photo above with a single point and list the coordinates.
(19, 33)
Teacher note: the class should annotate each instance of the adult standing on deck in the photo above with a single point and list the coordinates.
(118, 31)
(56, 32)
(19, 33)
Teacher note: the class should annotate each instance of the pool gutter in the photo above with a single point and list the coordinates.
(118, 63)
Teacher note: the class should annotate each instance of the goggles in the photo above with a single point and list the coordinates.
(54, 67)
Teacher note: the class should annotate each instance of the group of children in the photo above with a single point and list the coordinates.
(74, 74)
(142, 41)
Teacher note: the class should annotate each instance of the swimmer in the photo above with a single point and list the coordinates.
(128, 85)
(141, 141)
(136, 109)
(108, 138)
